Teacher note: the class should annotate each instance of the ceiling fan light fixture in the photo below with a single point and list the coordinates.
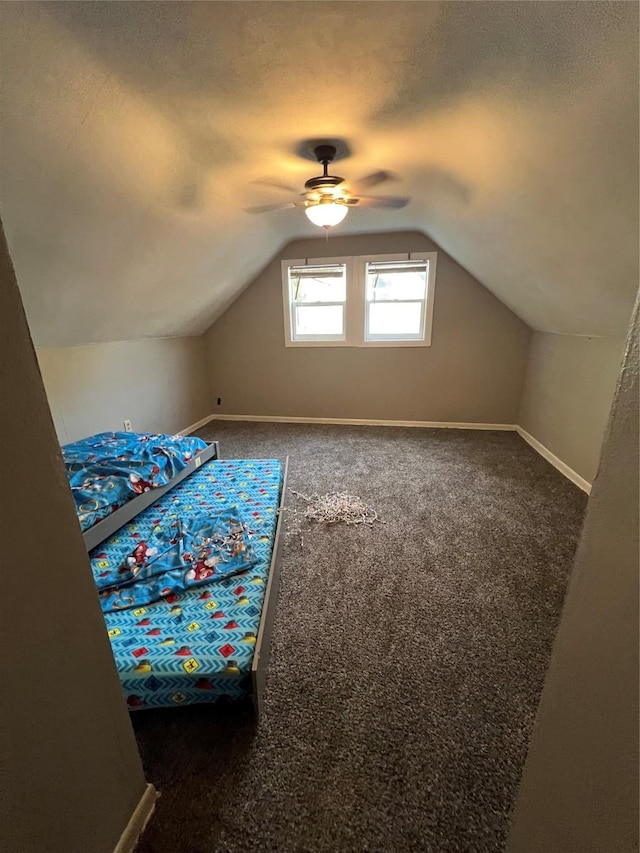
(325, 199)
(326, 213)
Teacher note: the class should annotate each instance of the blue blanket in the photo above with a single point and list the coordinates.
(197, 645)
(179, 554)
(107, 470)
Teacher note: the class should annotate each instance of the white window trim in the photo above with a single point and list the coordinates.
(355, 304)
(427, 318)
(309, 341)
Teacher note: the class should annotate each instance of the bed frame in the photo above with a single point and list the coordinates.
(108, 526)
(260, 663)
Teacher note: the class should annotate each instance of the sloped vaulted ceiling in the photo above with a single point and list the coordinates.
(131, 131)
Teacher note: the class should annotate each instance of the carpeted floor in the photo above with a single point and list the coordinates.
(407, 659)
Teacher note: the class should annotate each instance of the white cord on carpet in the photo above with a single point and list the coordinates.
(336, 507)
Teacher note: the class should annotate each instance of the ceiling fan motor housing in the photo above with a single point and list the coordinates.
(325, 155)
(323, 182)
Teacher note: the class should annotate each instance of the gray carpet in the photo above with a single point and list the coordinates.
(407, 659)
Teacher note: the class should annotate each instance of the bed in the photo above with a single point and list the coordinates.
(115, 475)
(204, 634)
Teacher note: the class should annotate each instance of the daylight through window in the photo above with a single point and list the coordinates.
(318, 296)
(381, 300)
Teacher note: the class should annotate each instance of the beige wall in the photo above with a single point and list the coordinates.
(579, 790)
(567, 395)
(71, 774)
(473, 372)
(160, 385)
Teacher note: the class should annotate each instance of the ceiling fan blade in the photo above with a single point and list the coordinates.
(266, 181)
(371, 180)
(267, 208)
(390, 201)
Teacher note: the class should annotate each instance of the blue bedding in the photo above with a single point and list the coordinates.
(196, 645)
(107, 470)
(176, 554)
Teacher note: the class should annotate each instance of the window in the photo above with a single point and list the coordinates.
(379, 300)
(395, 300)
(317, 302)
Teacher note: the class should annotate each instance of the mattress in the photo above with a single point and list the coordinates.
(198, 645)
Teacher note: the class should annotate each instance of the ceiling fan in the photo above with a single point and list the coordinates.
(326, 199)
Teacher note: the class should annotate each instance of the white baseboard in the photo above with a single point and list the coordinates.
(286, 419)
(569, 473)
(193, 427)
(138, 821)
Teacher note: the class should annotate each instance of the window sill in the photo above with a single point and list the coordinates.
(363, 345)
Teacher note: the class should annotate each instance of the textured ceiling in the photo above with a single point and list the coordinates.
(131, 131)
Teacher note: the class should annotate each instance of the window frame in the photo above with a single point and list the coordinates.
(313, 340)
(426, 303)
(356, 304)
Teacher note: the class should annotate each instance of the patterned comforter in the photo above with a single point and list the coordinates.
(107, 470)
(195, 644)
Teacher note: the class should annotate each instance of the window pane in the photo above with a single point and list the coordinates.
(325, 285)
(394, 318)
(394, 283)
(319, 320)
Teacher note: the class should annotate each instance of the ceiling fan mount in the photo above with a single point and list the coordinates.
(306, 148)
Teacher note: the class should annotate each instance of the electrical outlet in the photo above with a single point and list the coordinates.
(127, 426)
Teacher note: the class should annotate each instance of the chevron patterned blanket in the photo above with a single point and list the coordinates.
(197, 644)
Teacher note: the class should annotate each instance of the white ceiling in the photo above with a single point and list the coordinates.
(131, 131)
